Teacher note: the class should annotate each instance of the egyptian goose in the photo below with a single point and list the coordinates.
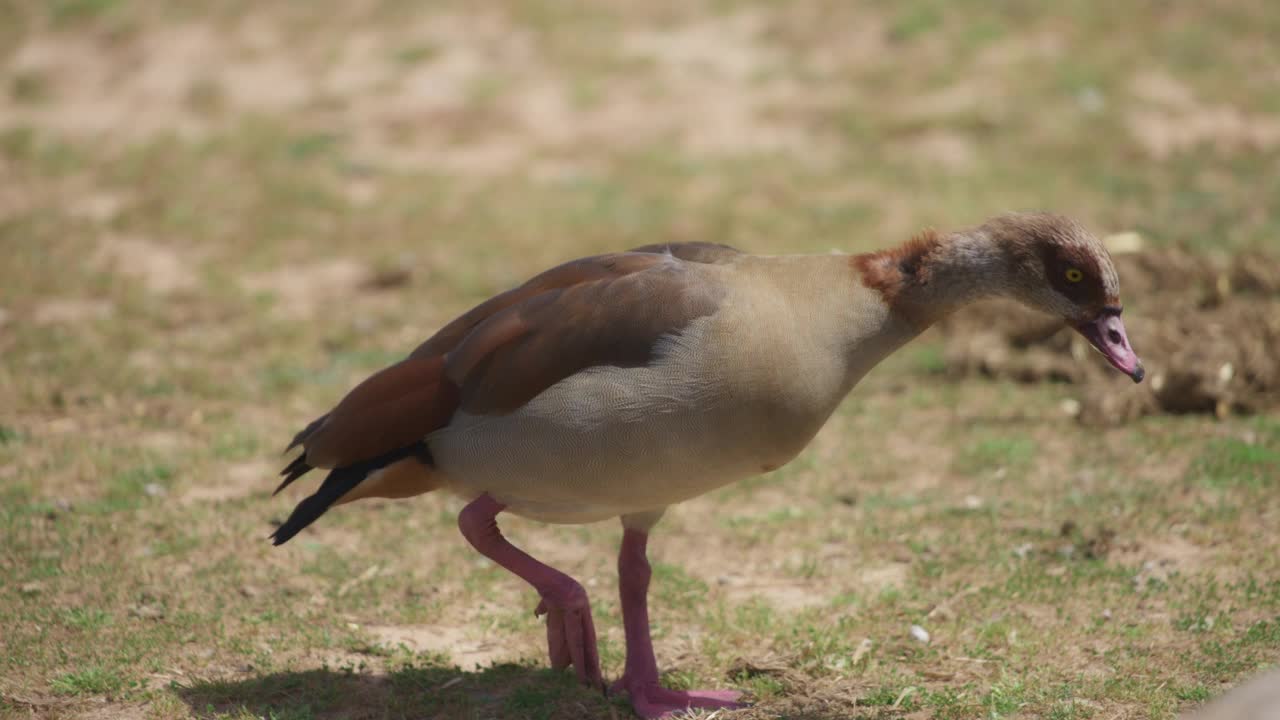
(620, 384)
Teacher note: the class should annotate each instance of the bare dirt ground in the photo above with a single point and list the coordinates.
(216, 217)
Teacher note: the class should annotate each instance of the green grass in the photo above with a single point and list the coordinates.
(1231, 462)
(140, 424)
(94, 680)
(995, 454)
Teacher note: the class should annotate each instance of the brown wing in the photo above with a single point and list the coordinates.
(601, 310)
(574, 272)
(522, 350)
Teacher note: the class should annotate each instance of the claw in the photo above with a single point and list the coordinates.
(571, 640)
(652, 701)
(557, 647)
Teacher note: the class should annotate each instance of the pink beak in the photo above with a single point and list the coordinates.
(1106, 333)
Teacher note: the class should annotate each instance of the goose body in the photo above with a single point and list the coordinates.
(618, 385)
(736, 393)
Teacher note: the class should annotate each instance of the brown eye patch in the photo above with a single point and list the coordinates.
(1074, 272)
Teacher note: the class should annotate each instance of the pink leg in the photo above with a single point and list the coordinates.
(571, 636)
(640, 679)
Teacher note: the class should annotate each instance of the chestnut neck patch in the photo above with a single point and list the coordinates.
(890, 272)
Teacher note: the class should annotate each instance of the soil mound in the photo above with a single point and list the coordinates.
(1207, 329)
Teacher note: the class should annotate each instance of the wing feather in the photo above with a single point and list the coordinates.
(601, 310)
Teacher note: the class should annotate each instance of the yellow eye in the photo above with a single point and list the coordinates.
(1074, 275)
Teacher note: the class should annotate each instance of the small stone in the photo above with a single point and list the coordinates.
(1070, 407)
(1106, 614)
(31, 588)
(250, 591)
(154, 489)
(1225, 373)
(920, 634)
(1023, 550)
(973, 502)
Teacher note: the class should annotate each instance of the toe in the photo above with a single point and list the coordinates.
(650, 710)
(557, 641)
(701, 698)
(580, 637)
(654, 701)
(571, 641)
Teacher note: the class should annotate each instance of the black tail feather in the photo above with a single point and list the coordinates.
(293, 471)
(306, 432)
(339, 482)
(299, 466)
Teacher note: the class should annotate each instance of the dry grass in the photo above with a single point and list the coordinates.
(215, 219)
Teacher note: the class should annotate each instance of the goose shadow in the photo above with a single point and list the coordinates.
(508, 690)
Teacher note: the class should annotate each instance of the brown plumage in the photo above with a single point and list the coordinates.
(616, 321)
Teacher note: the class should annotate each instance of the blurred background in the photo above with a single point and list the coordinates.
(216, 217)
